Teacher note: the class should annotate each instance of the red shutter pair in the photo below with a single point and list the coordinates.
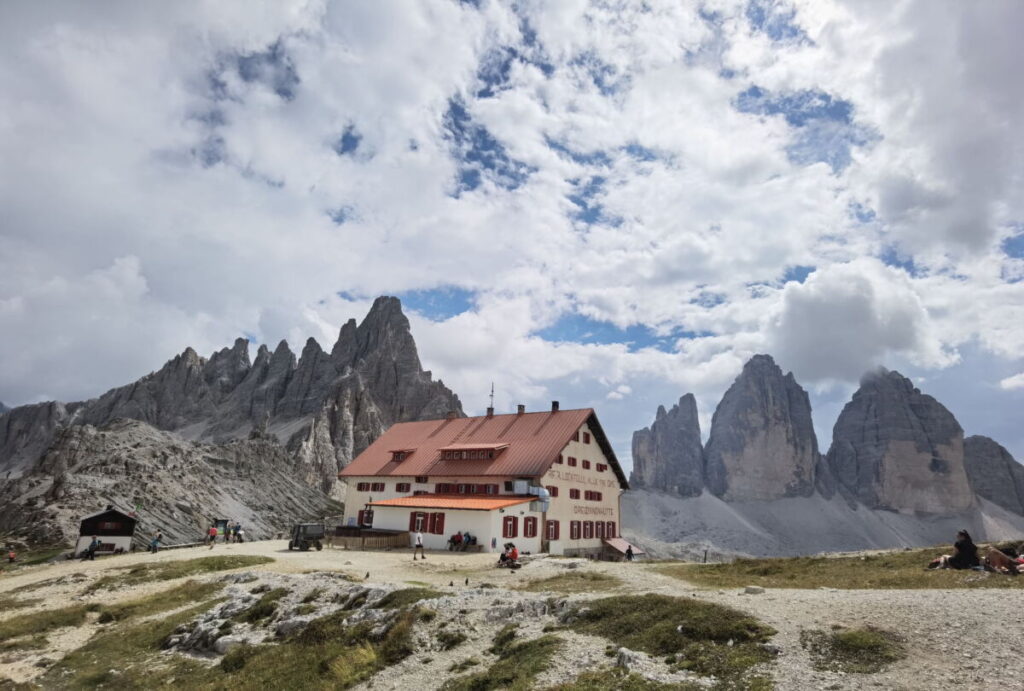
(510, 526)
(553, 530)
(530, 526)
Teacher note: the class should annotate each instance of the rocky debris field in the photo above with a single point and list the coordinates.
(382, 621)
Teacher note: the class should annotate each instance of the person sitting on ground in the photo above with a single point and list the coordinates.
(513, 553)
(504, 558)
(965, 554)
(998, 561)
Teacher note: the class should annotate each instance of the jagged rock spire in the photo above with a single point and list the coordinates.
(667, 456)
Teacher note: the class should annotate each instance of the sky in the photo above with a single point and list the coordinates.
(607, 203)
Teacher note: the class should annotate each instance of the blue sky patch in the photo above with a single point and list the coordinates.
(776, 20)
(479, 153)
(640, 153)
(438, 304)
(1014, 245)
(891, 256)
(824, 130)
(272, 67)
(348, 142)
(341, 214)
(862, 213)
(577, 328)
(797, 273)
(588, 210)
(603, 75)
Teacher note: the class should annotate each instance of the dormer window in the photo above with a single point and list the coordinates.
(399, 455)
(472, 452)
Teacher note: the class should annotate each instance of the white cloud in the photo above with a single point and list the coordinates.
(1011, 383)
(156, 194)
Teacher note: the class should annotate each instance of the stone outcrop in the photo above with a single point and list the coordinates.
(898, 449)
(3, 408)
(993, 473)
(667, 456)
(762, 444)
(178, 486)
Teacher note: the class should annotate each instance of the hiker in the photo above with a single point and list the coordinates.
(211, 535)
(239, 534)
(11, 555)
(629, 552)
(227, 533)
(418, 547)
(1000, 562)
(90, 551)
(467, 540)
(154, 544)
(455, 542)
(965, 554)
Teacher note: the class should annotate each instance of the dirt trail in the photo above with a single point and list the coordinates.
(956, 638)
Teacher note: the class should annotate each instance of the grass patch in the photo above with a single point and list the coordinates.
(189, 592)
(9, 604)
(305, 609)
(895, 570)
(146, 573)
(503, 639)
(517, 666)
(460, 667)
(132, 648)
(36, 642)
(32, 557)
(399, 599)
(860, 651)
(450, 639)
(617, 679)
(699, 633)
(265, 607)
(40, 623)
(574, 582)
(312, 595)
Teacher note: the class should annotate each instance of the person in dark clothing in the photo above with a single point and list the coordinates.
(629, 552)
(964, 556)
(90, 551)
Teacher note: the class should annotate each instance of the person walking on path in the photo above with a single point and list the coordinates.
(629, 552)
(418, 547)
(154, 544)
(211, 535)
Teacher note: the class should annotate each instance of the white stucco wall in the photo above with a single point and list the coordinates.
(486, 526)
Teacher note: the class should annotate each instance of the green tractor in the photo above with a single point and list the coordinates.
(306, 535)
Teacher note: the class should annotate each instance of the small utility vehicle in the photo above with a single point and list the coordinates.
(306, 535)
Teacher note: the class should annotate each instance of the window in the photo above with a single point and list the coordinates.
(601, 467)
(530, 526)
(463, 489)
(492, 489)
(576, 435)
(445, 488)
(574, 494)
(437, 523)
(609, 529)
(588, 530)
(560, 459)
(574, 530)
(599, 527)
(586, 465)
(421, 479)
(377, 487)
(508, 485)
(591, 495)
(552, 490)
(363, 487)
(365, 518)
(419, 492)
(572, 461)
(510, 526)
(399, 456)
(403, 487)
(586, 437)
(417, 522)
(552, 532)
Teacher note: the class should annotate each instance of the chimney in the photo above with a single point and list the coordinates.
(520, 409)
(490, 411)
(452, 415)
(554, 406)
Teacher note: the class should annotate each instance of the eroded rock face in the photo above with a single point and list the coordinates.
(898, 449)
(178, 485)
(993, 473)
(762, 444)
(667, 456)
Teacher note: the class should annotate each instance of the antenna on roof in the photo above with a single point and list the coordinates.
(492, 394)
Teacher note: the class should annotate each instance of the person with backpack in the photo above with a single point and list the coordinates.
(211, 535)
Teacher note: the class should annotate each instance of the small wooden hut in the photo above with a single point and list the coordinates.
(114, 529)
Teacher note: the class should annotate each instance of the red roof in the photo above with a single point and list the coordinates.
(534, 441)
(453, 501)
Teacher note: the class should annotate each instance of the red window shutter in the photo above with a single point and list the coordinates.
(560, 459)
(586, 464)
(572, 461)
(553, 530)
(361, 517)
(600, 529)
(530, 526)
(363, 487)
(576, 435)
(437, 523)
(510, 527)
(552, 490)
(611, 529)
(421, 479)
(586, 437)
(412, 522)
(574, 494)
(574, 530)
(588, 530)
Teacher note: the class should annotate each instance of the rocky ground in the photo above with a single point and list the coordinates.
(955, 638)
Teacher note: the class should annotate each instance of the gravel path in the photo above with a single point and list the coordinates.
(956, 638)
